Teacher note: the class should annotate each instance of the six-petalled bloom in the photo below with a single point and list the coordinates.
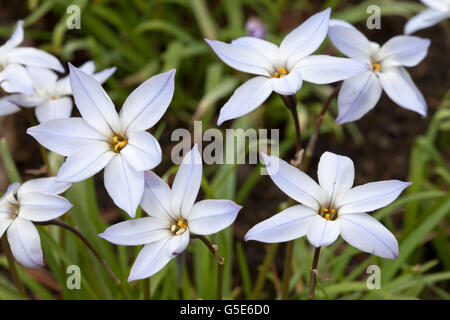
(102, 138)
(331, 208)
(13, 75)
(34, 201)
(174, 216)
(361, 93)
(281, 69)
(437, 11)
(51, 98)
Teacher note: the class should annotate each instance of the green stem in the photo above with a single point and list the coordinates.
(86, 242)
(309, 151)
(12, 267)
(287, 270)
(262, 275)
(147, 286)
(291, 104)
(313, 274)
(220, 261)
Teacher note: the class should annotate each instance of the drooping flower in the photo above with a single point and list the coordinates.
(361, 93)
(174, 216)
(281, 69)
(51, 97)
(34, 201)
(13, 75)
(102, 138)
(331, 208)
(437, 11)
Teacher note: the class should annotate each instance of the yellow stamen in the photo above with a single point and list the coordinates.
(376, 67)
(179, 228)
(333, 211)
(118, 143)
(325, 210)
(327, 216)
(280, 73)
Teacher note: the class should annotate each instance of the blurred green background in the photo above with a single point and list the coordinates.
(144, 37)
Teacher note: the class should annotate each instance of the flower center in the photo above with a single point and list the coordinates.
(118, 143)
(15, 210)
(329, 214)
(280, 73)
(179, 228)
(376, 67)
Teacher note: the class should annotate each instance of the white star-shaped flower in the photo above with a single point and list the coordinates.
(34, 201)
(437, 11)
(281, 69)
(13, 75)
(102, 138)
(331, 208)
(51, 97)
(174, 216)
(361, 93)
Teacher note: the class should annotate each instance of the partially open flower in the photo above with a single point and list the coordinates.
(13, 75)
(34, 201)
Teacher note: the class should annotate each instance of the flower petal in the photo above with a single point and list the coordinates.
(401, 89)
(65, 136)
(242, 58)
(370, 196)
(85, 162)
(34, 57)
(93, 103)
(249, 96)
(60, 108)
(15, 78)
(305, 39)
(154, 256)
(7, 107)
(124, 184)
(289, 224)
(322, 232)
(148, 102)
(211, 216)
(187, 183)
(263, 47)
(156, 198)
(142, 151)
(424, 19)
(5, 222)
(289, 84)
(15, 39)
(403, 51)
(295, 183)
(357, 96)
(336, 174)
(322, 69)
(38, 206)
(136, 232)
(367, 234)
(349, 40)
(42, 77)
(443, 5)
(25, 243)
(45, 185)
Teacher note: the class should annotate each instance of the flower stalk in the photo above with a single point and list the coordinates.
(313, 274)
(12, 267)
(220, 262)
(86, 242)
